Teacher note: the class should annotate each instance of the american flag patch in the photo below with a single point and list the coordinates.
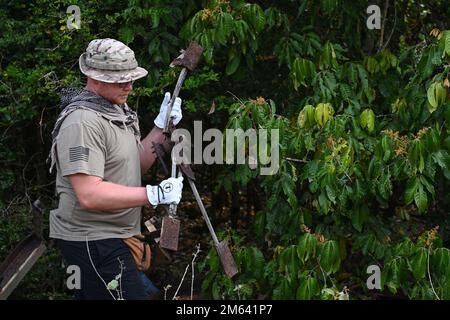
(79, 154)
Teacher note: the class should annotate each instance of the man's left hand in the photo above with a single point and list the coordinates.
(175, 114)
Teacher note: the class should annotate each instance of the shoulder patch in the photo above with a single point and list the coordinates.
(79, 154)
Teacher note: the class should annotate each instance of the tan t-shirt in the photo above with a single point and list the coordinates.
(88, 143)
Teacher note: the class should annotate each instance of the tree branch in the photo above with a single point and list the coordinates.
(386, 5)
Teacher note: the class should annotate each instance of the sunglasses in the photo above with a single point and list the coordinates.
(125, 84)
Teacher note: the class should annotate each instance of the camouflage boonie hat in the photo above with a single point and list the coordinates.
(111, 61)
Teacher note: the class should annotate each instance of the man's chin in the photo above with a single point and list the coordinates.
(121, 100)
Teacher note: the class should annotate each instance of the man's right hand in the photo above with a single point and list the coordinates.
(167, 192)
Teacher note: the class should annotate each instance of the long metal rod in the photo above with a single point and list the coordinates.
(173, 207)
(203, 210)
(175, 94)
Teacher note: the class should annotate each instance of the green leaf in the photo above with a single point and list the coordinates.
(411, 188)
(436, 95)
(254, 15)
(260, 18)
(329, 5)
(227, 23)
(427, 185)
(367, 120)
(447, 42)
(324, 203)
(331, 193)
(442, 158)
(387, 148)
(219, 35)
(155, 17)
(302, 72)
(216, 291)
(287, 185)
(253, 260)
(432, 103)
(385, 185)
(307, 247)
(306, 117)
(419, 263)
(397, 273)
(414, 152)
(213, 261)
(330, 257)
(113, 284)
(369, 244)
(308, 288)
(241, 30)
(359, 216)
(294, 264)
(346, 91)
(425, 66)
(323, 113)
(440, 260)
(283, 291)
(404, 248)
(126, 34)
(327, 58)
(233, 64)
(421, 199)
(206, 41)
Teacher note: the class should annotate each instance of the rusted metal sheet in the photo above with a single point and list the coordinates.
(18, 263)
(170, 231)
(226, 259)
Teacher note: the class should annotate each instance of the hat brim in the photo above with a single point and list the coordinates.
(110, 76)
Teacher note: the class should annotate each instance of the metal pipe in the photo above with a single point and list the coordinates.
(203, 210)
(175, 94)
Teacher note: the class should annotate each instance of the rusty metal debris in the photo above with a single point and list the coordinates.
(22, 258)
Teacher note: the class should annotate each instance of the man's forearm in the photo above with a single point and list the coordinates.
(107, 196)
(147, 156)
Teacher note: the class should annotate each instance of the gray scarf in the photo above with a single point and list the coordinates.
(73, 99)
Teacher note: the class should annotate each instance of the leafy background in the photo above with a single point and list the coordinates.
(363, 117)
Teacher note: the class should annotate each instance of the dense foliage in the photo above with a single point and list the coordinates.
(363, 118)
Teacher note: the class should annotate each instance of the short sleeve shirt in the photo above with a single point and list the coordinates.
(90, 144)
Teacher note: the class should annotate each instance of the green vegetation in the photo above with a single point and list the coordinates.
(363, 116)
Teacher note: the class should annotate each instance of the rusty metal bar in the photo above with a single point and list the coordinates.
(18, 263)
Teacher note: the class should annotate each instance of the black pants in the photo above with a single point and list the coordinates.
(106, 256)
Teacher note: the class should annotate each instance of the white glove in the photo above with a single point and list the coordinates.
(175, 114)
(167, 192)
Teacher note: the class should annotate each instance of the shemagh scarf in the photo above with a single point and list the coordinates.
(73, 99)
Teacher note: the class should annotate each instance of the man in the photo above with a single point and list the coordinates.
(99, 158)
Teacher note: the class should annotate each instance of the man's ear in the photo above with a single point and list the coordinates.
(93, 82)
(94, 85)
